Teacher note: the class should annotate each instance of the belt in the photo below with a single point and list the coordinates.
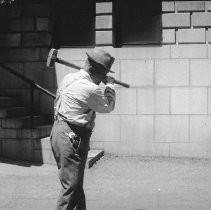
(75, 127)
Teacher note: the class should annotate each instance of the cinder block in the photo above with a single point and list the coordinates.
(190, 6)
(172, 20)
(189, 51)
(153, 101)
(10, 40)
(125, 101)
(16, 66)
(200, 19)
(16, 82)
(137, 72)
(189, 101)
(4, 25)
(209, 51)
(3, 11)
(137, 128)
(104, 37)
(43, 24)
(36, 10)
(107, 128)
(137, 148)
(43, 143)
(209, 150)
(193, 150)
(208, 5)
(14, 11)
(169, 36)
(113, 147)
(200, 74)
(172, 72)
(209, 35)
(142, 52)
(43, 78)
(103, 7)
(73, 53)
(36, 39)
(8, 133)
(22, 25)
(44, 51)
(17, 149)
(44, 156)
(171, 128)
(16, 55)
(96, 144)
(34, 66)
(150, 149)
(191, 36)
(116, 68)
(1, 148)
(200, 127)
(209, 100)
(168, 6)
(103, 22)
(46, 102)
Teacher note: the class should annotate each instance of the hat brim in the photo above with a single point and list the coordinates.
(109, 70)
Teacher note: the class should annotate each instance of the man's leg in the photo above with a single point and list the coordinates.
(71, 167)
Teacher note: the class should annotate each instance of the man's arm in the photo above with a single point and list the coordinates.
(103, 101)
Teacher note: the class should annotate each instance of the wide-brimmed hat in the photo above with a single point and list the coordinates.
(101, 57)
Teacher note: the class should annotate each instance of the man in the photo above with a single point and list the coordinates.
(78, 98)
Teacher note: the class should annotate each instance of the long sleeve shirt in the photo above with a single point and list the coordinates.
(78, 98)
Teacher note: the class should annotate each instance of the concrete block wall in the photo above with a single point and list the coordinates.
(166, 111)
(25, 39)
(103, 24)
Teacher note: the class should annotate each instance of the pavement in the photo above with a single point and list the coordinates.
(113, 183)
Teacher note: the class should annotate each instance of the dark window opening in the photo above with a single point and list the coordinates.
(75, 23)
(137, 22)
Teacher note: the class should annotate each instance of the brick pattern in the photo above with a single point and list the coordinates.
(201, 19)
(25, 38)
(169, 36)
(172, 72)
(10, 40)
(189, 19)
(172, 20)
(166, 110)
(168, 6)
(103, 23)
(22, 25)
(190, 6)
(208, 5)
(103, 37)
(103, 7)
(191, 36)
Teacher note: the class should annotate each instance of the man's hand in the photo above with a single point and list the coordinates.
(108, 79)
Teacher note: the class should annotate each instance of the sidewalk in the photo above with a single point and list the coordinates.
(114, 183)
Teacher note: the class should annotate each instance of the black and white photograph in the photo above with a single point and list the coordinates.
(105, 105)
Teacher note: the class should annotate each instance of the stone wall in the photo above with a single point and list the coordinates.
(166, 112)
(25, 39)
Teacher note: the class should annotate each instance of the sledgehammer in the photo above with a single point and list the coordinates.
(52, 58)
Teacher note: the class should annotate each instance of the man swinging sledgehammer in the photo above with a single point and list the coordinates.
(78, 98)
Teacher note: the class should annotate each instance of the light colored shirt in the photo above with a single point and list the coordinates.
(78, 98)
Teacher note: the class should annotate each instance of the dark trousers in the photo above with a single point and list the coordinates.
(70, 145)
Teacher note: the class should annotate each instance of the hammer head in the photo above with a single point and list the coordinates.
(52, 57)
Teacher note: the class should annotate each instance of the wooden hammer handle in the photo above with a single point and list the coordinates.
(121, 83)
(58, 60)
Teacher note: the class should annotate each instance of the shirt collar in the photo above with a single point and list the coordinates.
(85, 74)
